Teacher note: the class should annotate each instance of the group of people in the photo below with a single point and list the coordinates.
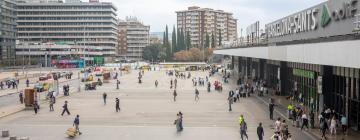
(9, 84)
(330, 120)
(66, 89)
(199, 81)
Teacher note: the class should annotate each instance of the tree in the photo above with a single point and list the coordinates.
(178, 45)
(207, 41)
(173, 41)
(220, 38)
(152, 52)
(164, 38)
(182, 41)
(196, 54)
(212, 41)
(167, 45)
(188, 41)
(166, 35)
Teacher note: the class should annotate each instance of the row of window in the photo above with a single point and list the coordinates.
(65, 18)
(104, 13)
(66, 34)
(84, 24)
(65, 7)
(67, 29)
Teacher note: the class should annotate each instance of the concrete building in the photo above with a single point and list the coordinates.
(52, 32)
(313, 53)
(137, 38)
(7, 32)
(201, 21)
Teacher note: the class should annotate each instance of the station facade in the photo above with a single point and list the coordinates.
(315, 53)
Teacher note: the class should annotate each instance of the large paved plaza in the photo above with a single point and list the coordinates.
(147, 113)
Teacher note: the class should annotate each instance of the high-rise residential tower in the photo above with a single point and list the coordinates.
(137, 38)
(197, 22)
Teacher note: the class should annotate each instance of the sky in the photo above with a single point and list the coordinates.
(159, 13)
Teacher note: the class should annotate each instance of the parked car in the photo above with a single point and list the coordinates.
(45, 77)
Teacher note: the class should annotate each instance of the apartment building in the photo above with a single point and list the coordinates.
(198, 22)
(7, 32)
(56, 31)
(137, 38)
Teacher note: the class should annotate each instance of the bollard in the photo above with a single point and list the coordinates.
(5, 133)
(24, 138)
(13, 138)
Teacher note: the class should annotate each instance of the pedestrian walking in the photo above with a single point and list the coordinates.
(344, 124)
(196, 94)
(333, 126)
(323, 128)
(271, 110)
(1, 85)
(243, 130)
(171, 84)
(260, 131)
(36, 107)
(175, 83)
(156, 83)
(290, 108)
(65, 108)
(117, 84)
(277, 124)
(51, 103)
(117, 104)
(27, 82)
(178, 122)
(76, 124)
(304, 121)
(230, 101)
(21, 97)
(104, 97)
(174, 94)
(312, 119)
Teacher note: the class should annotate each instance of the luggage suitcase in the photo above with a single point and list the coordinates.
(71, 132)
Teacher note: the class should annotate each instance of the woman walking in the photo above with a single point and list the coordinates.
(333, 126)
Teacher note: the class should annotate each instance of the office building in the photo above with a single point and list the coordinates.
(7, 32)
(199, 22)
(57, 32)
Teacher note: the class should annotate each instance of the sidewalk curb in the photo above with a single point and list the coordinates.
(314, 137)
(17, 111)
(22, 109)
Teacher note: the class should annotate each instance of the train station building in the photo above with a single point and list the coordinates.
(315, 52)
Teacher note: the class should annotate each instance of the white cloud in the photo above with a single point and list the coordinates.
(158, 13)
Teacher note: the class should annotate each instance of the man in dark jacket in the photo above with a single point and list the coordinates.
(117, 104)
(271, 110)
(65, 108)
(260, 131)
